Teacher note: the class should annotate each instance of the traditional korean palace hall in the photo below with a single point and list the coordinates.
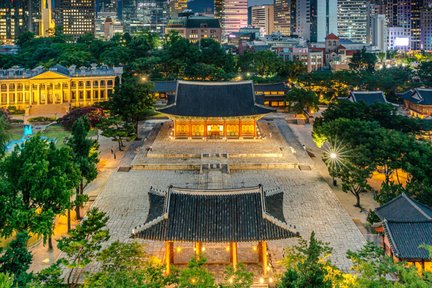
(405, 226)
(203, 216)
(215, 110)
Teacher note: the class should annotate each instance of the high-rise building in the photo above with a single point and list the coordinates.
(352, 20)
(76, 17)
(283, 16)
(233, 14)
(106, 6)
(17, 17)
(379, 31)
(262, 17)
(426, 29)
(150, 15)
(177, 6)
(315, 19)
(406, 15)
(47, 25)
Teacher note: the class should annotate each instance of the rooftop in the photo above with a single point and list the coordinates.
(404, 209)
(215, 215)
(368, 97)
(270, 87)
(18, 72)
(215, 99)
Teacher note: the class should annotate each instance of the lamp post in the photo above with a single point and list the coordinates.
(334, 157)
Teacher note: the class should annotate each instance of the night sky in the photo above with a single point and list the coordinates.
(200, 5)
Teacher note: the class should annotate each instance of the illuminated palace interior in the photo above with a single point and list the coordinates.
(216, 110)
(57, 85)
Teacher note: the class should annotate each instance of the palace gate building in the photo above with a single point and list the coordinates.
(247, 214)
(215, 110)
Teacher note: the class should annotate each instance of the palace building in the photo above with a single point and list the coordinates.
(74, 86)
(215, 110)
(247, 214)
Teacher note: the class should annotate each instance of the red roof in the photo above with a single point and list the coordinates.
(332, 36)
(351, 52)
(341, 47)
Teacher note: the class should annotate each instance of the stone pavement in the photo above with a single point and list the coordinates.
(309, 203)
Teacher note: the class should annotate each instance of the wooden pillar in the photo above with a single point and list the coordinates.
(234, 255)
(240, 129)
(205, 128)
(169, 256)
(255, 130)
(224, 129)
(264, 258)
(190, 128)
(259, 251)
(198, 247)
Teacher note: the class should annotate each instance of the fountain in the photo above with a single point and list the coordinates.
(28, 130)
(27, 134)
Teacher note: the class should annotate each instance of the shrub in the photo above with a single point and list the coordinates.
(14, 111)
(94, 115)
(16, 121)
(41, 119)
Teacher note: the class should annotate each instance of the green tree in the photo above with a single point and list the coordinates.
(37, 182)
(83, 244)
(239, 278)
(363, 60)
(195, 275)
(425, 73)
(117, 129)
(85, 156)
(266, 63)
(49, 277)
(307, 265)
(16, 260)
(131, 100)
(4, 135)
(300, 99)
(6, 280)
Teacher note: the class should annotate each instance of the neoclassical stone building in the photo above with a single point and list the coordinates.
(73, 86)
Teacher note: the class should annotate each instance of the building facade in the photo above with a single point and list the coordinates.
(177, 6)
(149, 15)
(352, 20)
(418, 102)
(283, 19)
(426, 29)
(17, 17)
(215, 110)
(76, 17)
(195, 28)
(73, 86)
(313, 59)
(262, 18)
(233, 15)
(379, 31)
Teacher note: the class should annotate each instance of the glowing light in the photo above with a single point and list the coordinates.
(203, 249)
(254, 248)
(227, 248)
(333, 155)
(193, 280)
(231, 280)
(270, 280)
(144, 78)
(178, 249)
(261, 280)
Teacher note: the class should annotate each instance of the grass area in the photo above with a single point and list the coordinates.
(16, 133)
(55, 132)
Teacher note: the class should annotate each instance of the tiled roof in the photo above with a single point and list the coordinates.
(199, 22)
(332, 36)
(270, 87)
(368, 97)
(425, 94)
(404, 209)
(406, 238)
(164, 86)
(215, 99)
(231, 215)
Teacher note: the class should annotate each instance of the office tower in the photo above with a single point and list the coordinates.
(315, 19)
(232, 14)
(47, 25)
(150, 15)
(405, 15)
(76, 17)
(17, 17)
(177, 6)
(283, 16)
(426, 29)
(262, 17)
(379, 31)
(206, 6)
(352, 20)
(106, 6)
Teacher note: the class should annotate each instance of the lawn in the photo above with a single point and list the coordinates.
(55, 132)
(16, 133)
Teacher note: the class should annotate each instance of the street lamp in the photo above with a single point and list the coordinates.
(144, 78)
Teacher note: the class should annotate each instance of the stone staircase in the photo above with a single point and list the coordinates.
(49, 110)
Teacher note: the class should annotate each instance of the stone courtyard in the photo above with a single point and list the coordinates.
(276, 161)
